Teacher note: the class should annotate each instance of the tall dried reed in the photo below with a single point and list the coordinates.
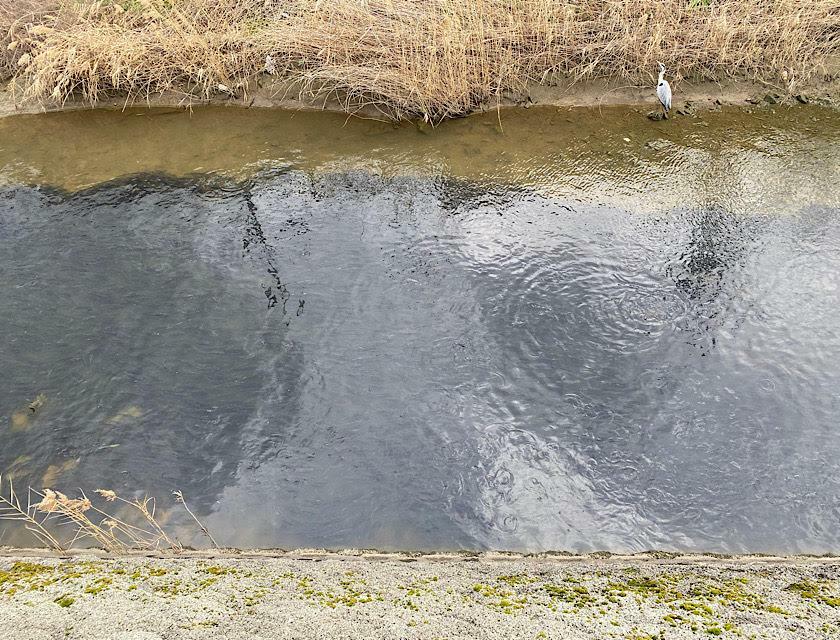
(429, 58)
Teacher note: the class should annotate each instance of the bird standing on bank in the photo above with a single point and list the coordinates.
(663, 91)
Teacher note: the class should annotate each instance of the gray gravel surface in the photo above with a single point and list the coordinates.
(321, 595)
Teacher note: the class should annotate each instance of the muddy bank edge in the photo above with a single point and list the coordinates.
(272, 93)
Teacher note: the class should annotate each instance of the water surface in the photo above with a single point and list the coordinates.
(576, 330)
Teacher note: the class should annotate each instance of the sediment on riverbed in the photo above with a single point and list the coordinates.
(402, 58)
(316, 594)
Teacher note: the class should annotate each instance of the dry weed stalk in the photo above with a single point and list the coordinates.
(112, 533)
(11, 509)
(179, 496)
(431, 58)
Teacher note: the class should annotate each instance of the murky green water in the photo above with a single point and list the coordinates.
(577, 330)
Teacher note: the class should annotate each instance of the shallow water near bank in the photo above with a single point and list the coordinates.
(568, 330)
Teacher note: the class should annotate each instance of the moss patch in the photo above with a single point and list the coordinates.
(25, 576)
(819, 592)
(64, 601)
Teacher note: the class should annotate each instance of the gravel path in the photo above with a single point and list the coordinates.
(319, 595)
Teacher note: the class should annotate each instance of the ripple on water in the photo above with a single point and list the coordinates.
(477, 365)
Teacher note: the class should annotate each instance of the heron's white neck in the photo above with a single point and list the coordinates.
(661, 76)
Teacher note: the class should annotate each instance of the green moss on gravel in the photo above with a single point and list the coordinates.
(64, 601)
(819, 592)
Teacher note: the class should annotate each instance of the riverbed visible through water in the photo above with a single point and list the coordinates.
(529, 330)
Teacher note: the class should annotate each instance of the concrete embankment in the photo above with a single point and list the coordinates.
(369, 595)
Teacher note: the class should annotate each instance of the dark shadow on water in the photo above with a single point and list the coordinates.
(135, 307)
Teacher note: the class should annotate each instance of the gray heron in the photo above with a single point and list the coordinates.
(663, 91)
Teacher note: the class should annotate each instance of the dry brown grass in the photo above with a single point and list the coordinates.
(431, 58)
(15, 17)
(126, 525)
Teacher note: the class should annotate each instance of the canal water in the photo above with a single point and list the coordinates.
(529, 330)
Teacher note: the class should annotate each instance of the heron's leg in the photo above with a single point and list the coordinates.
(664, 112)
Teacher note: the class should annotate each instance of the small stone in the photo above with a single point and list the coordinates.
(771, 99)
(687, 109)
(802, 99)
